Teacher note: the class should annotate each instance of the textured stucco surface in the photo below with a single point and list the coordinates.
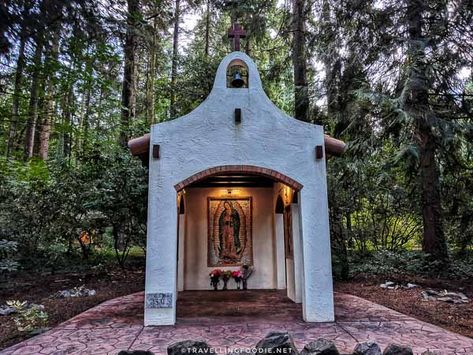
(266, 137)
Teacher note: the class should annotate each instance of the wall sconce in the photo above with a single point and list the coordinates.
(287, 194)
(237, 115)
(230, 192)
(156, 151)
(319, 152)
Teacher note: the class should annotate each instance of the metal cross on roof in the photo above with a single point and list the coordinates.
(236, 33)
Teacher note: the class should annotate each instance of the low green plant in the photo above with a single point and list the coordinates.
(7, 249)
(28, 317)
(409, 262)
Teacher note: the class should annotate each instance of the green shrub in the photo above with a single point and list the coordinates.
(7, 249)
(391, 264)
(45, 207)
(28, 317)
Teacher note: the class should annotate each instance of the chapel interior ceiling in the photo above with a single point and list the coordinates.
(226, 181)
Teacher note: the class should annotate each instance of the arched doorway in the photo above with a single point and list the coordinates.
(233, 171)
(261, 197)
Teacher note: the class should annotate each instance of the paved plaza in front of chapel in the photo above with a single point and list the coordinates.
(229, 320)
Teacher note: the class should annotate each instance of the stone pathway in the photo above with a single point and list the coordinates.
(237, 319)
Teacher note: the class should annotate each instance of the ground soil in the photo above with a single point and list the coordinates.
(457, 318)
(39, 288)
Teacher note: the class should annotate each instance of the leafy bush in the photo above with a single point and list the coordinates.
(391, 264)
(44, 208)
(28, 317)
(7, 249)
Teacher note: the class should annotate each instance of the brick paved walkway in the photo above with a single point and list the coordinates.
(236, 319)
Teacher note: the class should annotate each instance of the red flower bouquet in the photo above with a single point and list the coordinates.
(237, 276)
(215, 278)
(216, 273)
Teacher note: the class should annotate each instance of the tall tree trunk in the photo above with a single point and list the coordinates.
(247, 44)
(417, 105)
(175, 58)
(84, 121)
(49, 105)
(151, 74)
(67, 121)
(86, 118)
(20, 67)
(332, 64)
(129, 75)
(34, 93)
(5, 16)
(81, 137)
(301, 90)
(39, 120)
(96, 122)
(207, 30)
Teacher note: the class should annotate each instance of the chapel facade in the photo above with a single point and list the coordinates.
(237, 182)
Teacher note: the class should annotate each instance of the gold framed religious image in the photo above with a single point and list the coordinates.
(230, 239)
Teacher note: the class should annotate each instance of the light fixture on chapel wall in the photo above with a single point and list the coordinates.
(230, 192)
(287, 193)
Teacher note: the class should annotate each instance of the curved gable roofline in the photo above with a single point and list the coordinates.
(140, 146)
(255, 87)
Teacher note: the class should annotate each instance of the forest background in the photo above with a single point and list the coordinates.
(392, 78)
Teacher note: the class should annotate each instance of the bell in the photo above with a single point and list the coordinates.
(237, 81)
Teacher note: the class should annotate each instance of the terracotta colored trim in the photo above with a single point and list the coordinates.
(239, 169)
(334, 146)
(140, 146)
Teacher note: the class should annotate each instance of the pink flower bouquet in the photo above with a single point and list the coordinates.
(237, 276)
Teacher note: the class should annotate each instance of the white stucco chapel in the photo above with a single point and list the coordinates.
(237, 182)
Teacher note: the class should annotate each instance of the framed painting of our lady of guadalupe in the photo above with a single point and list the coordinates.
(230, 241)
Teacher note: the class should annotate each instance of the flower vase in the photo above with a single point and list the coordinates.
(225, 281)
(238, 282)
(245, 286)
(214, 282)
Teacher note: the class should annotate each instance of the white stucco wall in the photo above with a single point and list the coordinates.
(209, 137)
(196, 271)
